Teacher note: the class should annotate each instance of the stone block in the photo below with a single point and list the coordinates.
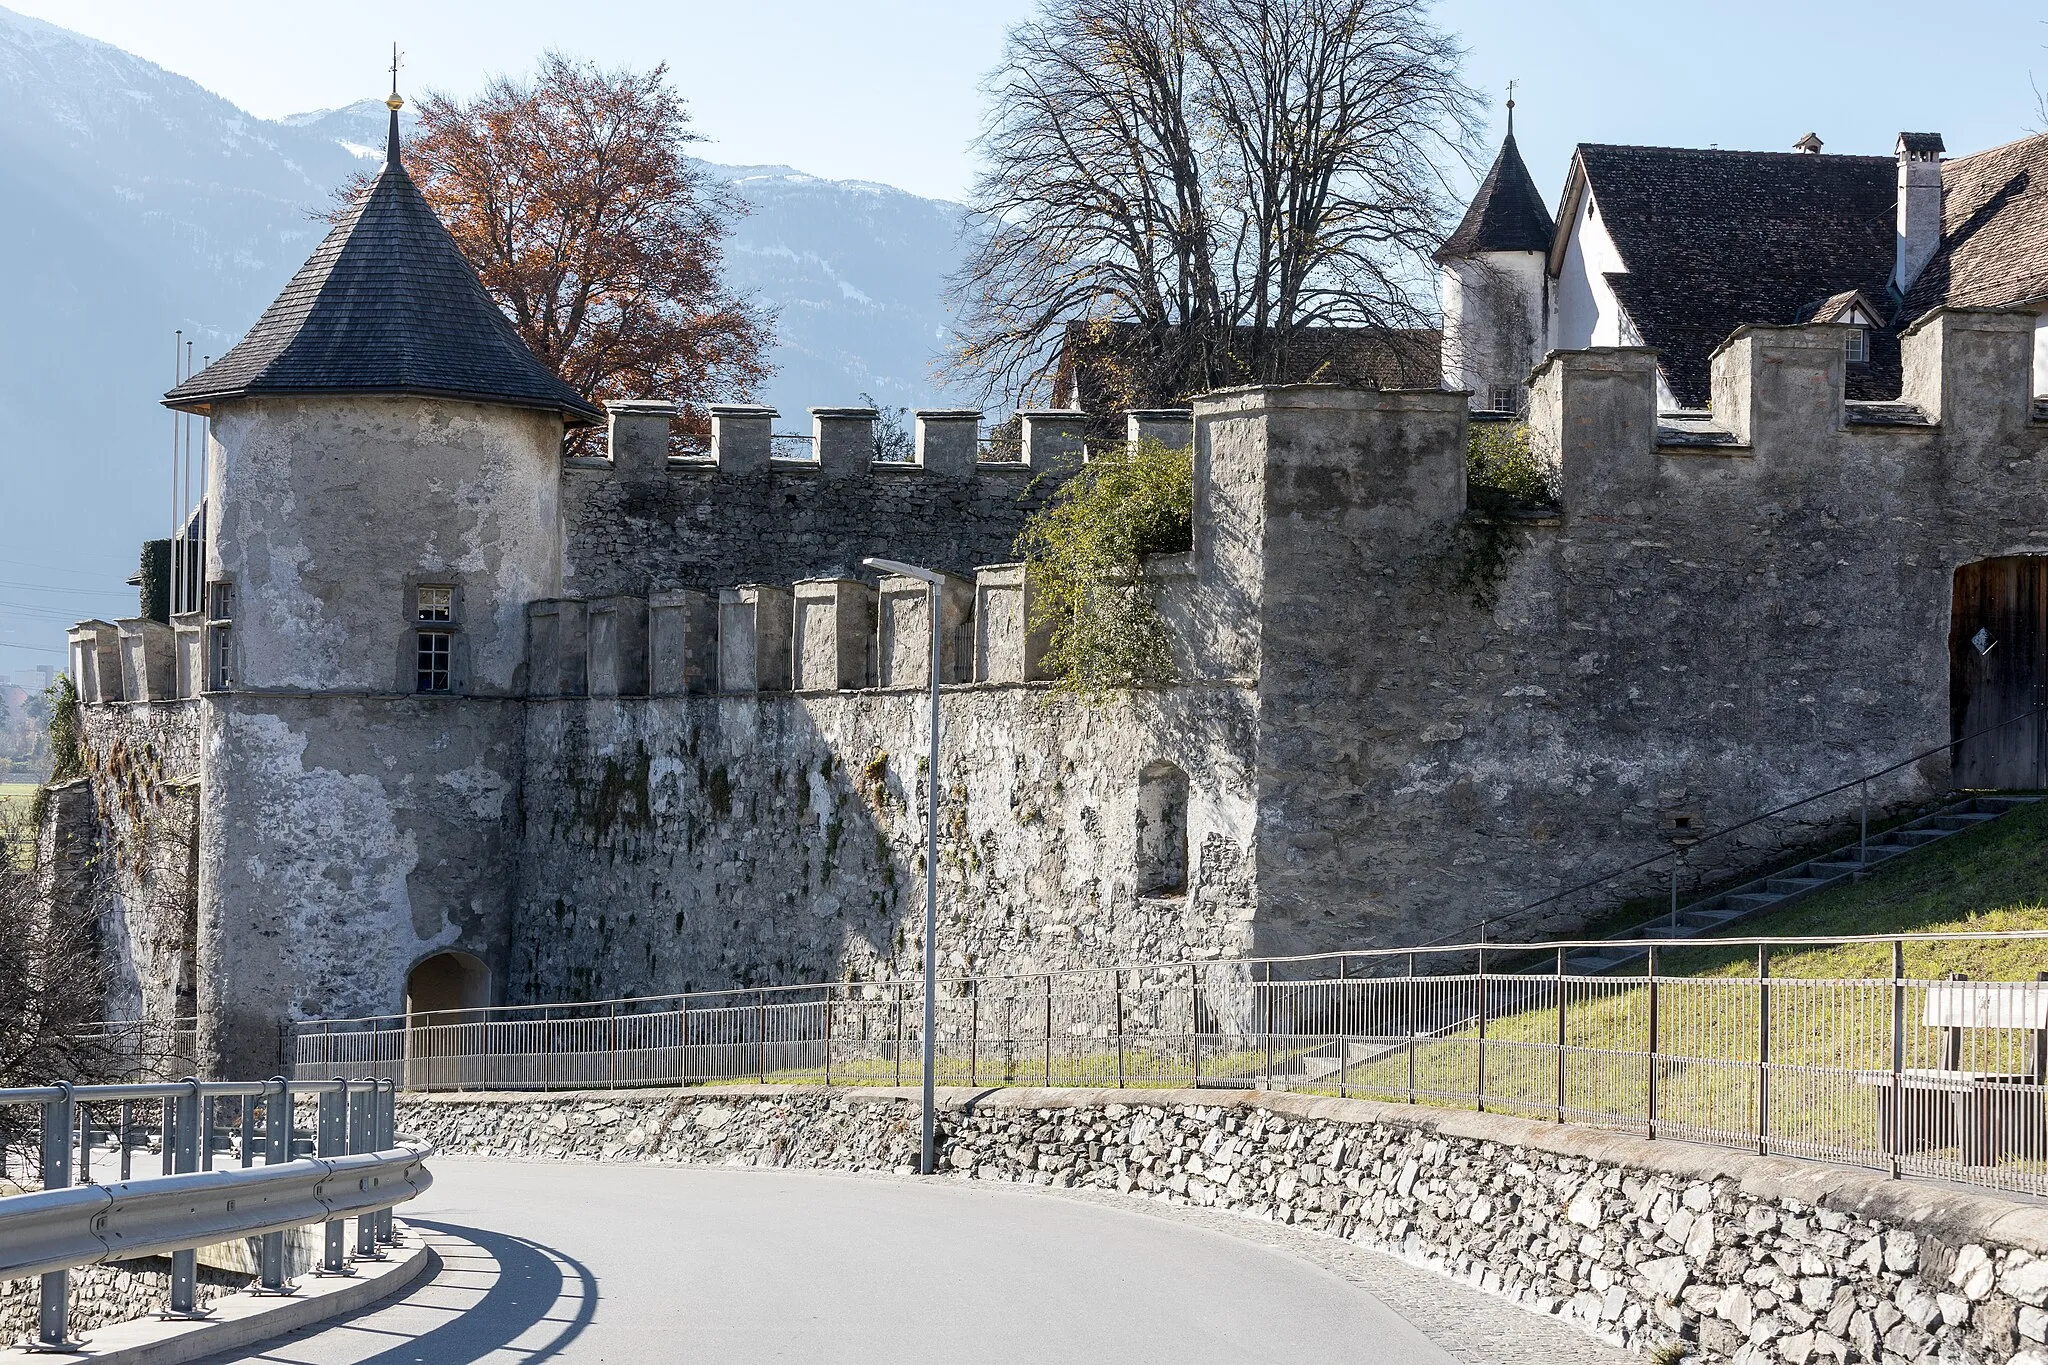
(96, 661)
(948, 440)
(1595, 413)
(1971, 369)
(638, 436)
(189, 652)
(1174, 427)
(682, 643)
(1055, 439)
(618, 646)
(149, 668)
(1778, 390)
(844, 439)
(835, 634)
(740, 435)
(754, 639)
(558, 648)
(1007, 648)
(905, 649)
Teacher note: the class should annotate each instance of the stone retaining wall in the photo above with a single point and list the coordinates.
(103, 1295)
(1745, 1259)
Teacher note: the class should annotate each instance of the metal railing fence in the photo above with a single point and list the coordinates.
(1915, 1076)
(348, 1164)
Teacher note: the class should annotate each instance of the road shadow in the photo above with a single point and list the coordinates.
(528, 1288)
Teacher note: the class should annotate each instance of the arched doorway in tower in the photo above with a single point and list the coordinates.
(444, 983)
(1998, 673)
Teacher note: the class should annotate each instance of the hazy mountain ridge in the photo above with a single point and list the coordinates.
(136, 202)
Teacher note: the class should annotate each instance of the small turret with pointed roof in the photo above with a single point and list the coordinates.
(1507, 213)
(386, 305)
(1495, 284)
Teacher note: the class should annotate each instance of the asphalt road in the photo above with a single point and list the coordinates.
(643, 1264)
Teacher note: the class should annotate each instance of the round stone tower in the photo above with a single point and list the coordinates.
(1496, 285)
(383, 497)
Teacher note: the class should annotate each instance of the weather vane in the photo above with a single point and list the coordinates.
(395, 101)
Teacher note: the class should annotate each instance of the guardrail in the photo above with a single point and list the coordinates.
(357, 1168)
(1713, 1042)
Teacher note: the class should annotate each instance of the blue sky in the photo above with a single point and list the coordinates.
(887, 91)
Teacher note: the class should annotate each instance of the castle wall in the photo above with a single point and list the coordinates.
(131, 825)
(641, 521)
(699, 842)
(1718, 622)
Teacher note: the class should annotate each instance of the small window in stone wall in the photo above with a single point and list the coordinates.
(435, 648)
(1504, 398)
(436, 603)
(1162, 830)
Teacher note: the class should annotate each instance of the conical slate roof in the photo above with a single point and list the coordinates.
(1507, 213)
(386, 305)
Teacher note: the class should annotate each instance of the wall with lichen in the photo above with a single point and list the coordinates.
(141, 763)
(343, 839)
(691, 843)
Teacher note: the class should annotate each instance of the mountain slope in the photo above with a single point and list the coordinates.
(134, 203)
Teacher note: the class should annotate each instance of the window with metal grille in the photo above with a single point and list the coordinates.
(436, 604)
(1856, 345)
(431, 670)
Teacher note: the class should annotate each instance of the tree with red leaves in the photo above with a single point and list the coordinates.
(573, 198)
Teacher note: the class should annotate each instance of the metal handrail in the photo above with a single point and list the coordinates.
(359, 1169)
(85, 1225)
(483, 1013)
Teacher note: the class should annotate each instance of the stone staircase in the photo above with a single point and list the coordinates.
(1703, 917)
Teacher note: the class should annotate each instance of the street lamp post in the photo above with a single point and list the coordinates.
(932, 583)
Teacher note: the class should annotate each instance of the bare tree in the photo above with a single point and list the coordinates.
(1220, 173)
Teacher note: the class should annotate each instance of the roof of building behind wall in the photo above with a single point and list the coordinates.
(1716, 239)
(386, 305)
(1994, 247)
(1507, 212)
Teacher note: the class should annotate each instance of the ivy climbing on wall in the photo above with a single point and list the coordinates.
(1086, 548)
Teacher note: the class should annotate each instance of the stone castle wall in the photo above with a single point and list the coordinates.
(641, 520)
(686, 843)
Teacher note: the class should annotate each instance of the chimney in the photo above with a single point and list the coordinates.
(1810, 144)
(1919, 206)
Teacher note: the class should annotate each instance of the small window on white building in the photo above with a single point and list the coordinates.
(1504, 398)
(1856, 345)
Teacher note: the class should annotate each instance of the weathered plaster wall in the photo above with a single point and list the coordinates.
(329, 510)
(1707, 628)
(132, 832)
(341, 840)
(690, 526)
(1743, 1259)
(686, 843)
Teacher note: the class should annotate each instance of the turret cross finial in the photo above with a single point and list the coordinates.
(1511, 107)
(396, 57)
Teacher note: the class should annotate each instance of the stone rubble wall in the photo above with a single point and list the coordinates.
(1745, 1259)
(103, 1295)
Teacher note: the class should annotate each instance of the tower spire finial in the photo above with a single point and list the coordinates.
(1511, 108)
(395, 103)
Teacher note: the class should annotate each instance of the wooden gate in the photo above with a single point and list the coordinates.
(1998, 671)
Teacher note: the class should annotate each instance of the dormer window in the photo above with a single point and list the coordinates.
(1856, 346)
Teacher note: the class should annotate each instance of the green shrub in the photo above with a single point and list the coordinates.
(1503, 473)
(1086, 550)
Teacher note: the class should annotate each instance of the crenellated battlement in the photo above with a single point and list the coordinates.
(836, 634)
(946, 443)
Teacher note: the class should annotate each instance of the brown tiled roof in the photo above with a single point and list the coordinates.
(1716, 239)
(386, 305)
(1994, 227)
(1096, 362)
